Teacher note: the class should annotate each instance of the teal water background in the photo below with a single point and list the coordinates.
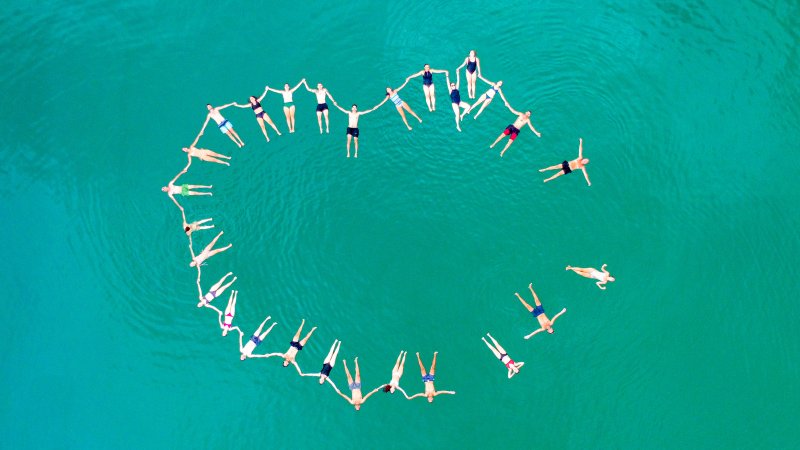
(689, 114)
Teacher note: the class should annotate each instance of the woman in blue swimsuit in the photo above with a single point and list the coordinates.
(473, 71)
(400, 104)
(427, 84)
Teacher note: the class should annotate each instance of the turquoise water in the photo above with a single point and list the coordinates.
(689, 115)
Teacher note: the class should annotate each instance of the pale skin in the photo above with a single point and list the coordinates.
(206, 155)
(330, 359)
(471, 77)
(430, 93)
(231, 133)
(288, 111)
(499, 351)
(321, 94)
(291, 354)
(545, 324)
(355, 388)
(430, 390)
(209, 251)
(261, 115)
(247, 350)
(485, 98)
(172, 189)
(577, 163)
(456, 106)
(397, 372)
(216, 290)
(230, 311)
(522, 119)
(403, 105)
(190, 228)
(352, 121)
(601, 275)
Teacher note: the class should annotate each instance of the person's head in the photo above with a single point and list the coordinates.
(388, 388)
(389, 91)
(208, 105)
(499, 83)
(285, 363)
(165, 189)
(514, 369)
(187, 229)
(286, 86)
(358, 406)
(585, 161)
(472, 54)
(253, 100)
(610, 278)
(550, 329)
(319, 85)
(192, 264)
(186, 149)
(430, 398)
(243, 357)
(322, 379)
(452, 85)
(527, 113)
(354, 108)
(426, 67)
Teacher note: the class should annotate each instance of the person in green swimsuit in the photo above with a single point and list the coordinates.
(185, 189)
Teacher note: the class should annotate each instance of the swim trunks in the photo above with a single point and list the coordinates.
(428, 377)
(565, 167)
(225, 126)
(322, 107)
(255, 340)
(354, 386)
(184, 190)
(352, 131)
(326, 369)
(512, 130)
(296, 345)
(537, 311)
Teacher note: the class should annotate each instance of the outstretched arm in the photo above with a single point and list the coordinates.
(530, 125)
(303, 81)
(580, 148)
(340, 108)
(266, 89)
(187, 165)
(202, 130)
(242, 106)
(478, 63)
(309, 89)
(558, 315)
(445, 392)
(586, 175)
(532, 334)
(462, 64)
(415, 75)
(421, 394)
(344, 397)
(375, 107)
(220, 108)
(404, 392)
(508, 105)
(373, 391)
(402, 85)
(484, 79)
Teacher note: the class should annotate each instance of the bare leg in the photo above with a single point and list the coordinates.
(230, 135)
(403, 363)
(408, 108)
(215, 160)
(555, 167)
(291, 110)
(458, 117)
(403, 115)
(333, 359)
(268, 119)
(558, 174)
(288, 118)
(199, 186)
(355, 139)
(260, 327)
(397, 363)
(217, 155)
(264, 334)
(510, 141)
(213, 242)
(427, 92)
(358, 373)
(485, 104)
(236, 135)
(421, 367)
(348, 145)
(535, 297)
(216, 285)
(496, 344)
(433, 364)
(331, 356)
(347, 372)
(263, 128)
(433, 97)
(524, 303)
(327, 122)
(218, 250)
(200, 193)
(319, 121)
(502, 135)
(496, 353)
(299, 330)
(466, 107)
(305, 339)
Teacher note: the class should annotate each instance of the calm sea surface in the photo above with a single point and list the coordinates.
(689, 113)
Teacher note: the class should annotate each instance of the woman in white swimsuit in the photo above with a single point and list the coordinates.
(288, 104)
(602, 276)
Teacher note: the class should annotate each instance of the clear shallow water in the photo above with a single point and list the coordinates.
(689, 114)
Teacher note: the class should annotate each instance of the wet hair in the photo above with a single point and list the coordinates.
(387, 90)
(209, 104)
(187, 228)
(253, 97)
(387, 388)
(354, 105)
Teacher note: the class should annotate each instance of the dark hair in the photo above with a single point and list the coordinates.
(354, 105)
(209, 104)
(387, 388)
(187, 228)
(253, 97)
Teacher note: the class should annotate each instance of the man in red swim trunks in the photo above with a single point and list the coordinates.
(513, 129)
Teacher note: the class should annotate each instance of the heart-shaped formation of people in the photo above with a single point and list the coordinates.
(460, 110)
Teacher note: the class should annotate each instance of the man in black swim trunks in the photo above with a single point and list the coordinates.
(568, 166)
(322, 105)
(352, 122)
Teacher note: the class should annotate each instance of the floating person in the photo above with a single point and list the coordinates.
(322, 105)
(190, 228)
(568, 166)
(427, 84)
(295, 345)
(400, 104)
(330, 360)
(185, 189)
(216, 290)
(473, 71)
(230, 311)
(397, 372)
(255, 340)
(500, 353)
(355, 388)
(261, 115)
(545, 324)
(602, 276)
(428, 378)
(352, 122)
(455, 99)
(288, 103)
(225, 126)
(208, 252)
(206, 155)
(513, 130)
(487, 96)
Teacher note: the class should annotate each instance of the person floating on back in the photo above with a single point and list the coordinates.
(296, 345)
(427, 85)
(330, 360)
(513, 130)
(206, 155)
(352, 122)
(400, 104)
(355, 388)
(208, 252)
(261, 115)
(322, 105)
(568, 166)
(255, 340)
(455, 100)
(230, 311)
(225, 126)
(428, 378)
(397, 372)
(602, 276)
(216, 290)
(288, 103)
(538, 312)
(500, 353)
